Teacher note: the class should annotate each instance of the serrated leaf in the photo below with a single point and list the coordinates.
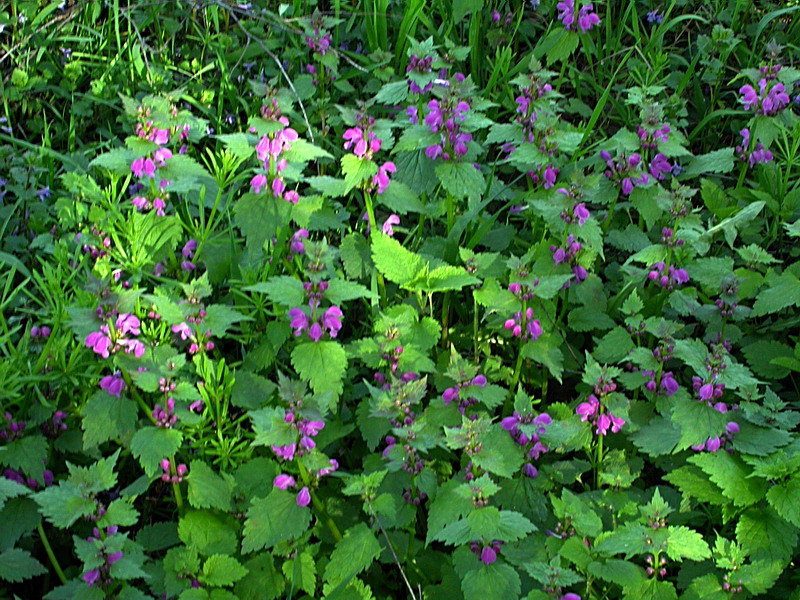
(732, 476)
(397, 264)
(763, 534)
(356, 171)
(301, 572)
(221, 570)
(219, 319)
(716, 161)
(106, 417)
(151, 444)
(461, 179)
(614, 346)
(784, 499)
(281, 289)
(342, 290)
(354, 553)
(783, 292)
(497, 581)
(11, 489)
(274, 519)
(18, 565)
(206, 533)
(63, 504)
(322, 364)
(206, 488)
(686, 543)
(27, 454)
(448, 507)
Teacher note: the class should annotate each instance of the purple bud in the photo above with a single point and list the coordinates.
(304, 497)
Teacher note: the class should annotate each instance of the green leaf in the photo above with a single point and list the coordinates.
(732, 476)
(342, 290)
(759, 441)
(759, 576)
(497, 581)
(11, 489)
(394, 92)
(448, 507)
(584, 519)
(500, 454)
(354, 553)
(783, 292)
(151, 444)
(251, 391)
(207, 489)
(395, 262)
(560, 44)
(27, 454)
(717, 161)
(219, 319)
(117, 161)
(63, 504)
(545, 351)
(355, 255)
(693, 482)
(260, 216)
(686, 543)
(263, 582)
(106, 417)
(303, 151)
(658, 437)
(274, 519)
(281, 289)
(401, 199)
(461, 179)
(160, 536)
(763, 534)
(696, 420)
(322, 364)
(221, 570)
(357, 170)
(18, 565)
(206, 533)
(237, 144)
(301, 572)
(783, 497)
(613, 346)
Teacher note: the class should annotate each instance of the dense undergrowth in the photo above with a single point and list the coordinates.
(424, 299)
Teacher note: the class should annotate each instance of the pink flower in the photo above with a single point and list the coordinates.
(161, 156)
(381, 179)
(258, 182)
(291, 196)
(283, 481)
(285, 452)
(144, 166)
(587, 410)
(299, 322)
(331, 320)
(488, 555)
(99, 341)
(387, 224)
(304, 497)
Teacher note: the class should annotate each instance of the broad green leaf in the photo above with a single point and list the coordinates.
(11, 489)
(763, 534)
(207, 533)
(107, 417)
(353, 554)
(274, 519)
(63, 504)
(686, 543)
(342, 290)
(322, 364)
(357, 170)
(784, 499)
(783, 292)
(207, 489)
(461, 179)
(497, 581)
(263, 582)
(152, 444)
(732, 476)
(17, 565)
(27, 454)
(301, 572)
(395, 262)
(281, 289)
(716, 161)
(221, 570)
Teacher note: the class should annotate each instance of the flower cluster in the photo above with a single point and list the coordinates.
(713, 444)
(284, 482)
(269, 150)
(331, 321)
(579, 213)
(625, 170)
(445, 117)
(42, 332)
(486, 553)
(101, 574)
(454, 393)
(419, 65)
(758, 156)
(13, 429)
(669, 279)
(769, 99)
(583, 19)
(19, 477)
(110, 340)
(660, 166)
(188, 250)
(296, 245)
(650, 137)
(365, 145)
(165, 416)
(569, 254)
(707, 391)
(668, 238)
(159, 201)
(147, 165)
(307, 431)
(668, 382)
(524, 326)
(168, 476)
(525, 431)
(595, 411)
(198, 341)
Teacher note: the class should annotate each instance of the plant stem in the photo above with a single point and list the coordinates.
(50, 554)
(176, 488)
(598, 465)
(326, 518)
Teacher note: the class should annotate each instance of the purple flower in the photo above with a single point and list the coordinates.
(128, 323)
(304, 497)
(283, 481)
(332, 320)
(669, 384)
(315, 332)
(311, 428)
(91, 577)
(479, 381)
(285, 452)
(113, 384)
(300, 321)
(767, 100)
(189, 249)
(660, 166)
(581, 213)
(99, 341)
(450, 394)
(570, 596)
(530, 471)
(585, 18)
(655, 17)
(143, 166)
(488, 555)
(114, 557)
(296, 245)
